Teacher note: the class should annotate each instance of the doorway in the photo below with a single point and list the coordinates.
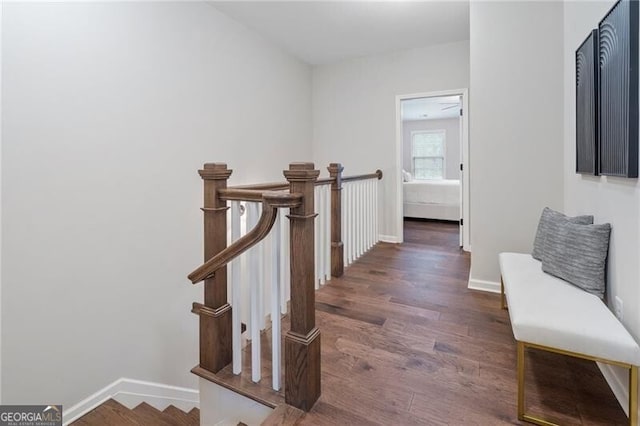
(432, 151)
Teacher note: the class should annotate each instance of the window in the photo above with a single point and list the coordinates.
(428, 151)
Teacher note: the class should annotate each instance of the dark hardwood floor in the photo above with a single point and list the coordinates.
(559, 388)
(405, 342)
(439, 235)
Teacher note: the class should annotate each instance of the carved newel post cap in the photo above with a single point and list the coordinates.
(335, 168)
(215, 171)
(301, 166)
(301, 172)
(217, 166)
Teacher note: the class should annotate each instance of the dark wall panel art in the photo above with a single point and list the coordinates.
(587, 105)
(618, 98)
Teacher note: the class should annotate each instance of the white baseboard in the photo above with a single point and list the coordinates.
(619, 387)
(389, 239)
(131, 393)
(482, 285)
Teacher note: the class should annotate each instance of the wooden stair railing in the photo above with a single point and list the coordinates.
(271, 202)
(302, 341)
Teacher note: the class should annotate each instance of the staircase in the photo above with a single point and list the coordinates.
(319, 226)
(112, 413)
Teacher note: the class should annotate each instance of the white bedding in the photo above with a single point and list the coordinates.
(445, 191)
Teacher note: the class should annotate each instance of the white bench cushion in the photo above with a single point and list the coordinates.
(548, 311)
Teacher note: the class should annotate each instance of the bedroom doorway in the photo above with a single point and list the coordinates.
(432, 150)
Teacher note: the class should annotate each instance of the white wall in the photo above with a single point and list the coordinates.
(516, 127)
(613, 200)
(354, 117)
(451, 126)
(108, 110)
(1, 7)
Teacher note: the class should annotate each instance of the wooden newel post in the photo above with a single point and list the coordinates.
(337, 248)
(302, 342)
(215, 315)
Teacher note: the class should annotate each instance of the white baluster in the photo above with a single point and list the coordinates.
(275, 304)
(316, 240)
(353, 222)
(345, 222)
(245, 277)
(236, 295)
(262, 267)
(327, 232)
(359, 217)
(254, 271)
(287, 254)
(343, 225)
(321, 218)
(229, 269)
(363, 220)
(284, 258)
(373, 212)
(376, 231)
(370, 209)
(349, 223)
(367, 211)
(365, 215)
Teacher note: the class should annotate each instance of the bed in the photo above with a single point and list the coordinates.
(432, 199)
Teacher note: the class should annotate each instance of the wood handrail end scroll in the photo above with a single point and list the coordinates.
(271, 202)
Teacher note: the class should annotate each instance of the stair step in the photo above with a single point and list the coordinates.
(112, 413)
(179, 417)
(242, 384)
(109, 413)
(194, 415)
(284, 415)
(149, 415)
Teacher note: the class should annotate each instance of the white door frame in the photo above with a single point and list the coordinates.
(465, 211)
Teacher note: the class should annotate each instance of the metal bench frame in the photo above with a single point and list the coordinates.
(522, 346)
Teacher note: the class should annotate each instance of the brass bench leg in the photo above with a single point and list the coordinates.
(522, 416)
(520, 381)
(503, 302)
(633, 395)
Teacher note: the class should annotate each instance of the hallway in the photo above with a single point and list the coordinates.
(405, 342)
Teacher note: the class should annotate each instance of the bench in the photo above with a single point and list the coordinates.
(552, 315)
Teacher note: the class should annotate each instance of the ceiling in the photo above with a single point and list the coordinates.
(321, 32)
(431, 108)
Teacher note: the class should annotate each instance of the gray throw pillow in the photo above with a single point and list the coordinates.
(548, 218)
(578, 254)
